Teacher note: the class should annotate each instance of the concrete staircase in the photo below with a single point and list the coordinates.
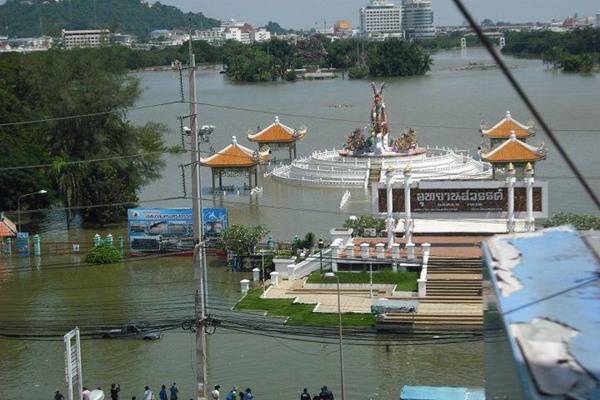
(454, 298)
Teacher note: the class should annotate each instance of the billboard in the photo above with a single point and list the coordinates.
(170, 229)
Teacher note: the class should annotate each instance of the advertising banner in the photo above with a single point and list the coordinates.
(170, 229)
(23, 243)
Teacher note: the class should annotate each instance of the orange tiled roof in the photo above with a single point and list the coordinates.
(277, 133)
(504, 128)
(514, 150)
(7, 227)
(234, 155)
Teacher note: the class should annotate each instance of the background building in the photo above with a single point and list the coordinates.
(381, 19)
(85, 38)
(417, 19)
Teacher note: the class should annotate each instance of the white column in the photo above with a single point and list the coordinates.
(396, 251)
(275, 278)
(364, 250)
(426, 250)
(350, 250)
(338, 249)
(410, 251)
(255, 275)
(291, 269)
(407, 213)
(511, 180)
(245, 285)
(529, 190)
(379, 250)
(389, 180)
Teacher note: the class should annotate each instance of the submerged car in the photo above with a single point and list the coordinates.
(131, 330)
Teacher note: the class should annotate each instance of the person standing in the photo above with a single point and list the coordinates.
(233, 394)
(147, 393)
(305, 395)
(86, 394)
(162, 395)
(214, 394)
(58, 395)
(115, 388)
(248, 395)
(174, 391)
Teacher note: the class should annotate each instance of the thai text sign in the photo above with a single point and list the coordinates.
(466, 200)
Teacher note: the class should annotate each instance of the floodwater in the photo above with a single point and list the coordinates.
(44, 297)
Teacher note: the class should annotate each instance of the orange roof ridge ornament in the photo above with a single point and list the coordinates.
(277, 133)
(503, 128)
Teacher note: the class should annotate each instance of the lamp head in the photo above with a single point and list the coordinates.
(42, 191)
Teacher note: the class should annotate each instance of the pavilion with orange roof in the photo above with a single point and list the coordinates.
(278, 136)
(503, 129)
(513, 151)
(234, 160)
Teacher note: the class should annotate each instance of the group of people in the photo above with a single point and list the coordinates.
(115, 389)
(173, 393)
(324, 394)
(233, 394)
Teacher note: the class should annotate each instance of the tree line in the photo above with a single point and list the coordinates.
(64, 128)
(277, 59)
(574, 51)
(38, 17)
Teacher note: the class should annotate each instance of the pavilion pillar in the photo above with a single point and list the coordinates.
(220, 179)
(511, 180)
(212, 175)
(529, 193)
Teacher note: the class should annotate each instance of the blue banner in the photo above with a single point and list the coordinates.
(170, 229)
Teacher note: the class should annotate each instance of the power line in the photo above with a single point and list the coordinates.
(527, 101)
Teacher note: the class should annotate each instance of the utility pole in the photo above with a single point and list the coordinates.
(199, 256)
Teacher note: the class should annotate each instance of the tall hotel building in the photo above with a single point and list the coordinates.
(381, 19)
(417, 19)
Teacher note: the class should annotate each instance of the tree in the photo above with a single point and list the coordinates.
(359, 224)
(242, 240)
(82, 96)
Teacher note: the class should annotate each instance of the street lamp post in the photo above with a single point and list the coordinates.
(321, 245)
(337, 278)
(262, 262)
(19, 205)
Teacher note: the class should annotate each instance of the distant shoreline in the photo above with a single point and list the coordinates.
(163, 68)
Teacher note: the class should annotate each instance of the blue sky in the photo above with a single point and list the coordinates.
(307, 14)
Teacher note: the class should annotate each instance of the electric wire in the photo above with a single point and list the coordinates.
(532, 108)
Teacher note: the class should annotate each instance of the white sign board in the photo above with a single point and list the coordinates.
(73, 363)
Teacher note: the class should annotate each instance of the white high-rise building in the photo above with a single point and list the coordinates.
(417, 19)
(381, 19)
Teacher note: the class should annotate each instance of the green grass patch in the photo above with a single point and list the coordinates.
(404, 281)
(298, 314)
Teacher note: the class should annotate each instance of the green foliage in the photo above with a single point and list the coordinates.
(103, 254)
(581, 222)
(574, 51)
(364, 221)
(396, 57)
(358, 72)
(38, 17)
(241, 239)
(57, 86)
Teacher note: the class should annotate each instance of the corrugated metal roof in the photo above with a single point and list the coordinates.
(548, 289)
(7, 227)
(440, 393)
